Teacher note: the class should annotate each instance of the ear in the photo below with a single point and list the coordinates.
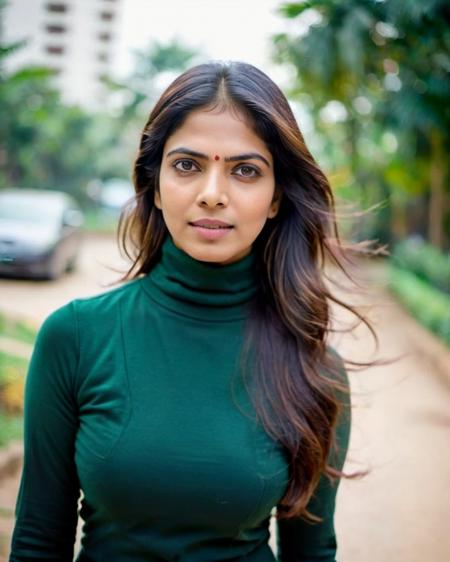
(275, 205)
(157, 199)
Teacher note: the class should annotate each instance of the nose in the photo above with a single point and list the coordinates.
(213, 191)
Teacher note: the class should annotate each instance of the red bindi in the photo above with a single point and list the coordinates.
(216, 157)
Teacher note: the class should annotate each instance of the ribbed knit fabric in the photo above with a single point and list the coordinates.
(129, 397)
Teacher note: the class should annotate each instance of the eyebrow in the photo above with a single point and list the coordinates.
(195, 154)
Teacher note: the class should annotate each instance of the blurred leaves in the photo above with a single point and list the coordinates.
(429, 305)
(12, 376)
(387, 64)
(425, 261)
(143, 84)
(45, 143)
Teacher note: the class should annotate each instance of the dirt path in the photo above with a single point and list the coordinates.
(34, 300)
(400, 511)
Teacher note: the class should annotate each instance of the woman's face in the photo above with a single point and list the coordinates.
(216, 186)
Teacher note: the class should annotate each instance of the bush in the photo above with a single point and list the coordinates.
(12, 377)
(10, 428)
(17, 329)
(430, 306)
(425, 260)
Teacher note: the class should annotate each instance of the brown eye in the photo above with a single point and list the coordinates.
(185, 165)
(247, 171)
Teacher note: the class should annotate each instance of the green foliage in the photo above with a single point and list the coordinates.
(160, 57)
(430, 306)
(12, 368)
(17, 329)
(12, 377)
(426, 261)
(10, 428)
(386, 67)
(95, 220)
(44, 144)
(47, 144)
(142, 85)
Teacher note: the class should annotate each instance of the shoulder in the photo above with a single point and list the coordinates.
(105, 303)
(76, 327)
(59, 326)
(62, 326)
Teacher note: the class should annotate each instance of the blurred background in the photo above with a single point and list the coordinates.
(369, 82)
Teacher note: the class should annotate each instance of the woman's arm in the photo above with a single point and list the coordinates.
(300, 541)
(46, 510)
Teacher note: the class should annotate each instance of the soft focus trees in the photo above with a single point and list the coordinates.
(47, 144)
(154, 67)
(43, 143)
(376, 75)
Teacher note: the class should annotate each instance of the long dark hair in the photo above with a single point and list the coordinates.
(299, 380)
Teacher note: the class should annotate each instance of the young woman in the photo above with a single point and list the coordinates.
(200, 395)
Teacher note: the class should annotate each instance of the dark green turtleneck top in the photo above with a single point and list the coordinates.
(128, 399)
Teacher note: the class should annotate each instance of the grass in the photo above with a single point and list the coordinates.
(11, 367)
(10, 428)
(13, 371)
(17, 329)
(12, 377)
(427, 304)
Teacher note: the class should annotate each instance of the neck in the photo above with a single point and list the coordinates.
(202, 289)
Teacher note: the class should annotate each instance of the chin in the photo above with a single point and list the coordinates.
(211, 254)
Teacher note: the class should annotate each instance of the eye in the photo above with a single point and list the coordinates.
(185, 165)
(247, 171)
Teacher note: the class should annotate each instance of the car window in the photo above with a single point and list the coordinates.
(32, 210)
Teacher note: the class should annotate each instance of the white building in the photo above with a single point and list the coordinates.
(76, 38)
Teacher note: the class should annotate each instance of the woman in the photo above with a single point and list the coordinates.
(200, 395)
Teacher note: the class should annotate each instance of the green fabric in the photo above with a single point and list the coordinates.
(129, 398)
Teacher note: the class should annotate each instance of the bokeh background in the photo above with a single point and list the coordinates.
(369, 82)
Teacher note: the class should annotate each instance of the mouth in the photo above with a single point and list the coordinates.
(211, 224)
(210, 230)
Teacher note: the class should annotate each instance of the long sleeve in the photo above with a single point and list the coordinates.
(46, 509)
(301, 541)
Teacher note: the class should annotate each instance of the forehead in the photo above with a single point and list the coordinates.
(229, 130)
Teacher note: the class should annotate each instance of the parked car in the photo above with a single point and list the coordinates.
(40, 233)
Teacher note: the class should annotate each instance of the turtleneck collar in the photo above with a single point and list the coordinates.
(201, 289)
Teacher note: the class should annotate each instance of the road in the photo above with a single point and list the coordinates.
(99, 264)
(400, 511)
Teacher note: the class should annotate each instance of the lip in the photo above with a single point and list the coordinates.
(210, 229)
(210, 223)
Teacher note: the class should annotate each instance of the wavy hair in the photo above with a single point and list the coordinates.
(300, 383)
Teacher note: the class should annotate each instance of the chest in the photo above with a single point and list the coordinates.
(167, 429)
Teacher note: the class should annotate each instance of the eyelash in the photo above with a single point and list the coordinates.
(175, 164)
(255, 170)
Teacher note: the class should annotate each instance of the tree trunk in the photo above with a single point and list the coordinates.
(352, 139)
(437, 205)
(399, 219)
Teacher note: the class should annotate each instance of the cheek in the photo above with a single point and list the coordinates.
(171, 197)
(258, 207)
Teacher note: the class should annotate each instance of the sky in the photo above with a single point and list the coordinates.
(222, 29)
